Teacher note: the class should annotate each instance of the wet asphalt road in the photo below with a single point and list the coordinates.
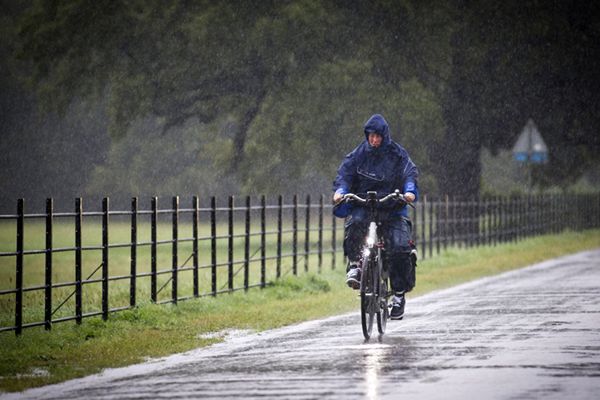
(528, 334)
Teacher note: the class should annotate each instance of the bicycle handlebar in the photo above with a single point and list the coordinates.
(396, 195)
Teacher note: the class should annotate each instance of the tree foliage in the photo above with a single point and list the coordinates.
(267, 97)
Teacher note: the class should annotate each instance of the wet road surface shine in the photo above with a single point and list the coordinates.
(527, 334)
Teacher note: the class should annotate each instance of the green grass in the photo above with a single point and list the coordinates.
(38, 357)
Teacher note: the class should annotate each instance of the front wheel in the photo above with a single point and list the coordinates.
(382, 297)
(368, 296)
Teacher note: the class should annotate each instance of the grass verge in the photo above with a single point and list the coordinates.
(69, 351)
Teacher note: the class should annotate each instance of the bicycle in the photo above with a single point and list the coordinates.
(374, 282)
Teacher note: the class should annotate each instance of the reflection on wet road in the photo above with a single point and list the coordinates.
(528, 334)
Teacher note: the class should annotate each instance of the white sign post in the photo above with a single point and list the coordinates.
(530, 148)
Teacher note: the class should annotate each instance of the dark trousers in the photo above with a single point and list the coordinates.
(397, 234)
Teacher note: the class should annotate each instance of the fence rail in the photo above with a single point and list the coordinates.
(206, 251)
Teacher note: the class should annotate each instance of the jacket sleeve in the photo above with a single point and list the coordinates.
(345, 175)
(411, 175)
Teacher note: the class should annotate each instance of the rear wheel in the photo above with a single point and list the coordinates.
(368, 302)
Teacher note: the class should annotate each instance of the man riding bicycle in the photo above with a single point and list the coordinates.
(382, 165)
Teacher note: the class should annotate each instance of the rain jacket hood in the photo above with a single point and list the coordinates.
(378, 124)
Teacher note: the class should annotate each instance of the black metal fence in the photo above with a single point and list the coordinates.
(68, 266)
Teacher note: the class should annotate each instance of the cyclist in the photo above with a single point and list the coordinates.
(382, 165)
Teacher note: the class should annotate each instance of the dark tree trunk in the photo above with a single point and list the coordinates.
(458, 166)
(458, 160)
(239, 140)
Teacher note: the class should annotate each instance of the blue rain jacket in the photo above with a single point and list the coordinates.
(383, 169)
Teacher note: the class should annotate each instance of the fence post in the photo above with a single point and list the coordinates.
(230, 244)
(508, 218)
(295, 236)
(48, 282)
(550, 213)
(478, 221)
(505, 219)
(133, 251)
(333, 240)
(597, 208)
(527, 216)
(470, 213)
(423, 225)
(591, 211)
(279, 233)
(430, 228)
(540, 215)
(492, 228)
(488, 211)
(320, 243)
(597, 225)
(460, 223)
(464, 221)
(533, 216)
(247, 246)
(446, 219)
(566, 212)
(524, 230)
(175, 239)
(494, 231)
(545, 213)
(105, 207)
(512, 212)
(213, 245)
(575, 207)
(307, 234)
(263, 241)
(524, 210)
(489, 207)
(469, 222)
(483, 217)
(500, 220)
(415, 230)
(438, 225)
(517, 219)
(19, 267)
(196, 217)
(556, 213)
(453, 221)
(153, 239)
(590, 207)
(78, 258)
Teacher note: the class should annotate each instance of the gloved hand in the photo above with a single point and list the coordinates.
(337, 197)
